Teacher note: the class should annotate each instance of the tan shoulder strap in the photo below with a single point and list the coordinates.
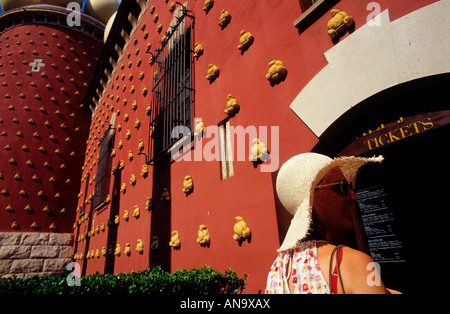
(335, 275)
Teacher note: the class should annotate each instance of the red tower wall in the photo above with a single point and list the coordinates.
(44, 128)
(45, 70)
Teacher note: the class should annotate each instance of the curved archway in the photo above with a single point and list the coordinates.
(402, 201)
(373, 59)
(427, 94)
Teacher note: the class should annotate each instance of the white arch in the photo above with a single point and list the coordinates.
(373, 59)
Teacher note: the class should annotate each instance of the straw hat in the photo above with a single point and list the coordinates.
(296, 183)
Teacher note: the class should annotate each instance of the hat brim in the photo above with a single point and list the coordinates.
(300, 223)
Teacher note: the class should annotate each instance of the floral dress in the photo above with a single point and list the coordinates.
(307, 278)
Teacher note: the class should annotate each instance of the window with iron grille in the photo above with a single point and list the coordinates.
(306, 4)
(103, 175)
(172, 88)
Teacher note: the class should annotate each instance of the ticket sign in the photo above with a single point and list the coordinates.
(392, 132)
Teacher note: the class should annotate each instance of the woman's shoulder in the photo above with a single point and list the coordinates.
(357, 268)
(354, 268)
(354, 252)
(349, 253)
(356, 257)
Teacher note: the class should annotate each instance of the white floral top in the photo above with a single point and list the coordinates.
(307, 278)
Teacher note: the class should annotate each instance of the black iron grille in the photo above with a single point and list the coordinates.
(172, 92)
(103, 168)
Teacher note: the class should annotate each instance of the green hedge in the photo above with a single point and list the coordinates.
(153, 281)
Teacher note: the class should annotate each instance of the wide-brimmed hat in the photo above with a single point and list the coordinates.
(296, 182)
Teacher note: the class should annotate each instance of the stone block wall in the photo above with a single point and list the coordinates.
(30, 253)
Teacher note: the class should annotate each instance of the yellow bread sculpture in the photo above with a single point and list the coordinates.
(172, 6)
(208, 5)
(198, 50)
(224, 18)
(203, 236)
(175, 240)
(134, 105)
(144, 171)
(141, 145)
(277, 71)
(127, 250)
(232, 105)
(259, 151)
(241, 229)
(151, 131)
(125, 216)
(188, 185)
(133, 180)
(199, 128)
(117, 250)
(123, 188)
(136, 211)
(149, 204)
(140, 246)
(339, 22)
(213, 73)
(245, 41)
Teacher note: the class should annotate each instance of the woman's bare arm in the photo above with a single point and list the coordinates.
(359, 274)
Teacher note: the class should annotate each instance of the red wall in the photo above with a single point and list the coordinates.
(215, 202)
(19, 46)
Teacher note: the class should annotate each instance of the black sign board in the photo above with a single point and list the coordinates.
(378, 226)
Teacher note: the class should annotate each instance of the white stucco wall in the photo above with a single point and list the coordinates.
(373, 59)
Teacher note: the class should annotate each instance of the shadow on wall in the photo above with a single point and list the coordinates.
(160, 228)
(112, 227)
(283, 216)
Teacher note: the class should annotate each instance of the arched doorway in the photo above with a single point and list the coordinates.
(403, 201)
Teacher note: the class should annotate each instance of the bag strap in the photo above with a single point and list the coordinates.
(335, 276)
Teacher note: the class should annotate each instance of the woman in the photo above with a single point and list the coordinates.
(317, 190)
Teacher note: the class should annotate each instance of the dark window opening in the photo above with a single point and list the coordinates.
(306, 4)
(172, 91)
(103, 175)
